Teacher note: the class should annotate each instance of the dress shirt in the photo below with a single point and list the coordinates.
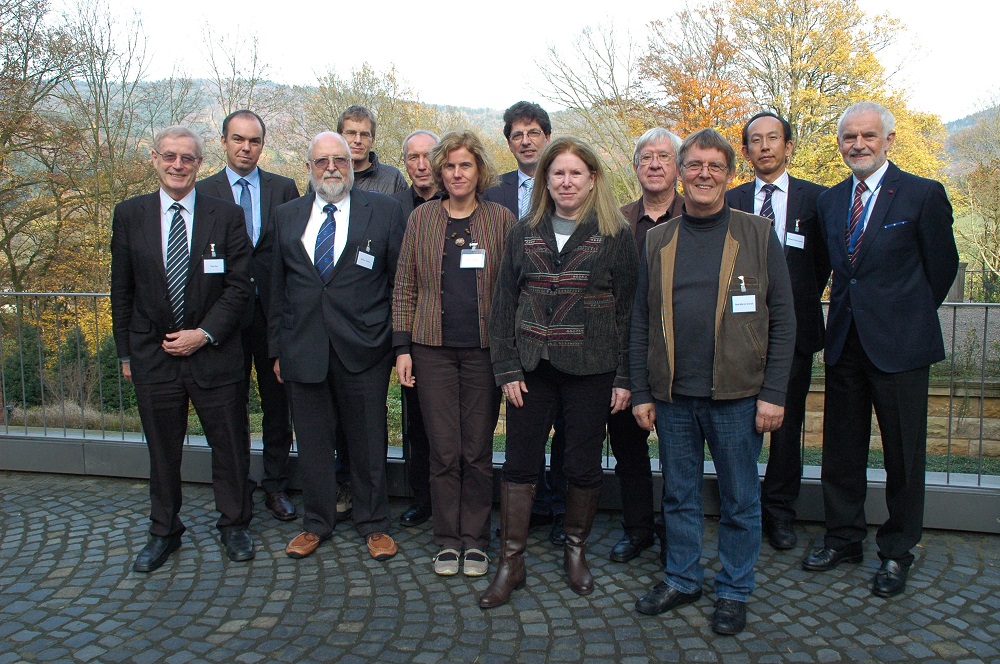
(874, 182)
(167, 218)
(779, 202)
(316, 219)
(254, 181)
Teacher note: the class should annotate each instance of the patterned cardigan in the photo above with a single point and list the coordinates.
(575, 304)
(416, 297)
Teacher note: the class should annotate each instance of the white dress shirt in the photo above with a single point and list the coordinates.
(167, 218)
(779, 202)
(316, 219)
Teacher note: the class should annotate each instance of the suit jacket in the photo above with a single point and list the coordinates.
(505, 193)
(809, 267)
(140, 308)
(274, 191)
(905, 265)
(405, 198)
(352, 310)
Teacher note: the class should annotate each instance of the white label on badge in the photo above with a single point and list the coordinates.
(215, 265)
(795, 240)
(365, 260)
(744, 304)
(473, 258)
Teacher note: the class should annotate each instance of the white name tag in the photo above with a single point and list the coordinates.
(215, 266)
(365, 260)
(795, 240)
(473, 258)
(744, 304)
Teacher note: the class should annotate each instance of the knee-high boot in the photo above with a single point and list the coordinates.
(581, 506)
(515, 513)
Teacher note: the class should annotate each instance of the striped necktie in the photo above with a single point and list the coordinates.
(765, 208)
(524, 201)
(323, 256)
(177, 264)
(855, 228)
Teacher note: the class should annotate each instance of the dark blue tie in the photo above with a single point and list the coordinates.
(323, 256)
(247, 204)
(765, 208)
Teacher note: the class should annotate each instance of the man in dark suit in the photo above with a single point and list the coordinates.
(179, 286)
(892, 248)
(331, 334)
(417, 148)
(790, 204)
(259, 193)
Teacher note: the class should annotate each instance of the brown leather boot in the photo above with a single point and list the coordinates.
(581, 506)
(515, 513)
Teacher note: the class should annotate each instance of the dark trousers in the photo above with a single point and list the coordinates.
(783, 477)
(357, 402)
(629, 444)
(550, 493)
(853, 387)
(461, 405)
(163, 409)
(277, 421)
(582, 401)
(416, 447)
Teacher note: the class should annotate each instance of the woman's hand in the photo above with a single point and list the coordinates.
(404, 370)
(620, 399)
(512, 391)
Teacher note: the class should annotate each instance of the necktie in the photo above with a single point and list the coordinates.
(524, 202)
(765, 208)
(855, 228)
(323, 256)
(247, 204)
(177, 264)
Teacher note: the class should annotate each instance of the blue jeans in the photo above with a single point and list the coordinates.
(683, 427)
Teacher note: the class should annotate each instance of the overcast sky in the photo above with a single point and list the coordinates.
(470, 54)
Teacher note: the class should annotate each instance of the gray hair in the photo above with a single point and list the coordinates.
(418, 132)
(179, 131)
(323, 133)
(888, 120)
(655, 135)
(707, 139)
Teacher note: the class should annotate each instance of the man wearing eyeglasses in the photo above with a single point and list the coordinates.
(330, 331)
(713, 330)
(179, 286)
(790, 205)
(357, 125)
(258, 193)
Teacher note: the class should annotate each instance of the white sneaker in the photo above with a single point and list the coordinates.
(446, 562)
(475, 563)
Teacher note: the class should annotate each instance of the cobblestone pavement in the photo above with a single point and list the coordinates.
(67, 593)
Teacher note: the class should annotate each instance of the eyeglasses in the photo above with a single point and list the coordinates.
(518, 136)
(323, 162)
(646, 158)
(696, 167)
(171, 157)
(351, 134)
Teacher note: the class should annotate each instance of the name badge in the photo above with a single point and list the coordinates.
(473, 258)
(365, 260)
(795, 240)
(744, 304)
(215, 266)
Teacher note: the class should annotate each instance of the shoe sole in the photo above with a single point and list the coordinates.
(656, 612)
(727, 631)
(299, 556)
(853, 560)
(475, 572)
(446, 572)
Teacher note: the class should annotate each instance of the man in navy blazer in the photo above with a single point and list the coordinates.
(177, 337)
(790, 204)
(330, 330)
(892, 248)
(243, 182)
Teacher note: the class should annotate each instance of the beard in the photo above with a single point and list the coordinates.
(332, 191)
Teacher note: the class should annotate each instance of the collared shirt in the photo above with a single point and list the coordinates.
(522, 191)
(254, 181)
(167, 218)
(779, 202)
(874, 182)
(316, 219)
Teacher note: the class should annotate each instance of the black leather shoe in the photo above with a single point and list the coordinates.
(239, 545)
(557, 535)
(416, 515)
(629, 547)
(823, 558)
(663, 598)
(780, 534)
(890, 580)
(281, 507)
(156, 552)
(730, 617)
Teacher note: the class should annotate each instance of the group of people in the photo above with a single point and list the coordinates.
(693, 315)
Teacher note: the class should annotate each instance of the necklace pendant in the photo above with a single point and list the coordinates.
(460, 241)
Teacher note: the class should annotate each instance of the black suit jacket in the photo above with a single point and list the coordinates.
(140, 307)
(505, 193)
(905, 265)
(275, 190)
(808, 268)
(352, 310)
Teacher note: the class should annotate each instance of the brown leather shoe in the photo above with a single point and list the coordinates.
(304, 544)
(381, 546)
(280, 505)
